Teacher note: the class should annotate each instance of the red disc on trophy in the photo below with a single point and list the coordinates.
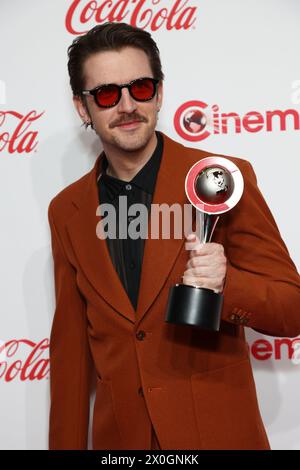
(214, 185)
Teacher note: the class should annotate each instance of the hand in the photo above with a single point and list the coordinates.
(206, 266)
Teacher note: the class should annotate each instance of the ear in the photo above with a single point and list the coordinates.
(81, 108)
(159, 95)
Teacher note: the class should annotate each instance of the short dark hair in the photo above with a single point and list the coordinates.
(107, 37)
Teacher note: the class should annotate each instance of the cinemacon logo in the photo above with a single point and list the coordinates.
(24, 359)
(151, 14)
(196, 120)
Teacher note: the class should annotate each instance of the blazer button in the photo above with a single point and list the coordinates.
(141, 391)
(140, 335)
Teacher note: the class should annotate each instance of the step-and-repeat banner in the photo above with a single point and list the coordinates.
(232, 86)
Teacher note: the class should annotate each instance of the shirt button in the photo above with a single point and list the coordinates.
(128, 187)
(140, 335)
(132, 265)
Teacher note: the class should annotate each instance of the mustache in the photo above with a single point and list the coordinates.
(128, 118)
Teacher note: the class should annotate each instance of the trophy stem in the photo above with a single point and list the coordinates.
(205, 226)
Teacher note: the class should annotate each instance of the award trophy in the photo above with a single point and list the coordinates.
(214, 185)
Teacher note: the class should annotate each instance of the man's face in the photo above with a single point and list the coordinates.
(120, 67)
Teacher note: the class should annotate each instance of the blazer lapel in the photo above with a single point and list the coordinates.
(92, 252)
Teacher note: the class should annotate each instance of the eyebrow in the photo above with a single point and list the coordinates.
(119, 84)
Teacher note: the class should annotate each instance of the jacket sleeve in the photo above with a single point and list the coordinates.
(70, 360)
(262, 285)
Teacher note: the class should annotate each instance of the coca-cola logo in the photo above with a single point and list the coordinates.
(22, 139)
(23, 359)
(151, 14)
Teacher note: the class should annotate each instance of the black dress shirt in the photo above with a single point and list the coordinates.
(127, 253)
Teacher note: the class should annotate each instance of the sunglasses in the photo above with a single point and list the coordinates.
(107, 96)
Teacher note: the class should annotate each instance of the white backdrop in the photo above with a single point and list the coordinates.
(241, 56)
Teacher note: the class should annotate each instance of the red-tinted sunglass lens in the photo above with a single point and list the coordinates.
(143, 90)
(108, 95)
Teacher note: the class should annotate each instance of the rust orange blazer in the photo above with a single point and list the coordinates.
(195, 387)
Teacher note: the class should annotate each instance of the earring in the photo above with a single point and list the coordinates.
(86, 124)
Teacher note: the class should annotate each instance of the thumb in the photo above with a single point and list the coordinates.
(192, 242)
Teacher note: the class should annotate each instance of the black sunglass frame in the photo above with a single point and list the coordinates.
(95, 90)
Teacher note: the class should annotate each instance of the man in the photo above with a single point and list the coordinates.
(159, 385)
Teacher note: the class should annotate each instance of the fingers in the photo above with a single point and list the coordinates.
(207, 283)
(205, 271)
(193, 243)
(206, 266)
(199, 260)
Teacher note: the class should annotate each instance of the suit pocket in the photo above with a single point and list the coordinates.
(226, 409)
(106, 434)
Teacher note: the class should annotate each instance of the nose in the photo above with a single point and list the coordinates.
(126, 103)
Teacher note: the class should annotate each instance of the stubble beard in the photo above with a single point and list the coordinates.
(132, 142)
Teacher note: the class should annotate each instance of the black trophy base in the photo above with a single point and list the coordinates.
(196, 306)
